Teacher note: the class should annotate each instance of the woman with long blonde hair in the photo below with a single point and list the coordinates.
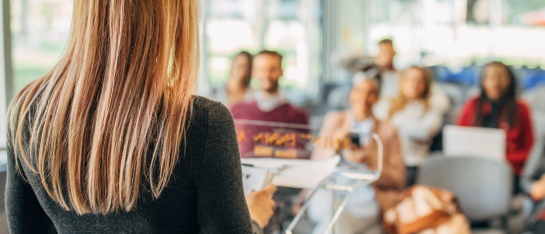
(112, 140)
(416, 120)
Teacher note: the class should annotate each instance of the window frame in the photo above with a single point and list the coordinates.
(6, 94)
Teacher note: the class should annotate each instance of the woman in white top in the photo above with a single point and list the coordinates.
(416, 121)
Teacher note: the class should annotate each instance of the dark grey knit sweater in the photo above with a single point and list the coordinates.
(205, 193)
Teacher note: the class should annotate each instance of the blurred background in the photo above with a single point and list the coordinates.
(454, 38)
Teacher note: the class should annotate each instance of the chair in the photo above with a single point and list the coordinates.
(483, 187)
(454, 91)
(466, 76)
(536, 77)
(536, 98)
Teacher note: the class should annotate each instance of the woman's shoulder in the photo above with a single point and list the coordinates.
(203, 109)
(17, 105)
(524, 108)
(523, 104)
(200, 102)
(472, 101)
(468, 110)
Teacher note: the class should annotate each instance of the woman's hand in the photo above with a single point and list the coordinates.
(340, 134)
(356, 155)
(261, 205)
(538, 189)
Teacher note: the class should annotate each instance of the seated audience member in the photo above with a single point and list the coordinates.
(498, 107)
(416, 122)
(390, 79)
(238, 87)
(270, 104)
(364, 207)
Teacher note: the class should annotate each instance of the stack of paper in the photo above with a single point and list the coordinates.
(295, 173)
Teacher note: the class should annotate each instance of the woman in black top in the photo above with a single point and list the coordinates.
(112, 140)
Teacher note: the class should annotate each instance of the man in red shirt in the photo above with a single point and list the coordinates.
(269, 105)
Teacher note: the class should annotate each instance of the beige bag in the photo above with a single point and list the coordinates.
(425, 210)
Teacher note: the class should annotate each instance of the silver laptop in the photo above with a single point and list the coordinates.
(474, 142)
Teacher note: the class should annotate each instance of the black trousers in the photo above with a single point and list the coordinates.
(412, 172)
(539, 228)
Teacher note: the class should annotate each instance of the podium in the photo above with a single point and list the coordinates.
(260, 139)
(348, 177)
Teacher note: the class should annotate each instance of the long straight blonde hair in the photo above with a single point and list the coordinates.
(109, 119)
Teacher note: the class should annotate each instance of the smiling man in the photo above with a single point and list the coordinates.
(269, 104)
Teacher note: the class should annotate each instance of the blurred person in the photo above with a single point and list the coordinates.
(354, 62)
(498, 107)
(416, 122)
(386, 55)
(390, 76)
(237, 89)
(270, 103)
(113, 140)
(362, 213)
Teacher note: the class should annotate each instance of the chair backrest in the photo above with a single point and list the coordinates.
(535, 97)
(483, 187)
(455, 92)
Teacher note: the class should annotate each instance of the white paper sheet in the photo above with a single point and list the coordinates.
(296, 173)
(255, 178)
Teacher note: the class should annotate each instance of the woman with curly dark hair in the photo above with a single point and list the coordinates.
(498, 107)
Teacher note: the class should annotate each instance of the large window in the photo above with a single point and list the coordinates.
(40, 30)
(39, 33)
(3, 94)
(287, 33)
(460, 33)
(230, 27)
(510, 12)
(291, 27)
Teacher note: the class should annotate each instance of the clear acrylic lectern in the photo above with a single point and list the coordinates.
(266, 140)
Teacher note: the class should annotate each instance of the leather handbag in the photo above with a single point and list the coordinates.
(425, 210)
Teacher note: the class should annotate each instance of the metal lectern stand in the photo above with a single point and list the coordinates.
(346, 178)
